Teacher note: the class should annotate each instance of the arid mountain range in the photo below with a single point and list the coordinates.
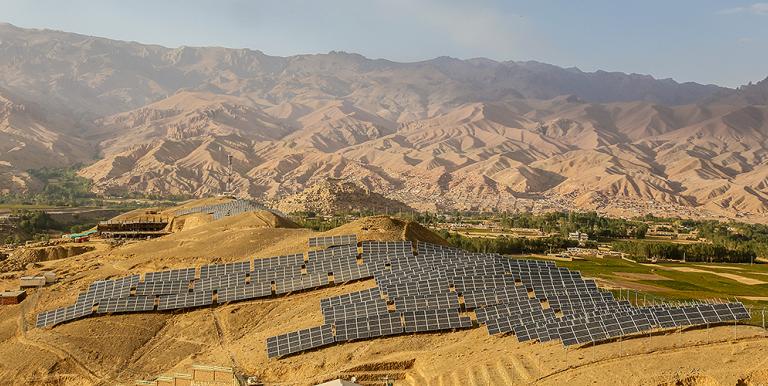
(438, 134)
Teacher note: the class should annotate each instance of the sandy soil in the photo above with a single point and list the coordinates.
(718, 266)
(738, 278)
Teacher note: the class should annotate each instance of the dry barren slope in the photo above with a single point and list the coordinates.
(121, 348)
(438, 134)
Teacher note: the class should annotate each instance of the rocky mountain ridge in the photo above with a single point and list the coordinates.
(438, 134)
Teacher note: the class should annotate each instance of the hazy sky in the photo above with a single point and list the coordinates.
(707, 41)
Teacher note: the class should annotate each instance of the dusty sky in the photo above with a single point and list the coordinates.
(706, 41)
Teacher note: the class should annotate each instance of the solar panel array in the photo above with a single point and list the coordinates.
(231, 208)
(331, 241)
(298, 341)
(433, 289)
(215, 283)
(437, 287)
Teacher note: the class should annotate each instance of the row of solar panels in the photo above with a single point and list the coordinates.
(535, 300)
(391, 323)
(179, 288)
(231, 208)
(379, 306)
(612, 322)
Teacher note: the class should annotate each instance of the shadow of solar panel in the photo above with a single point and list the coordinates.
(252, 290)
(185, 300)
(162, 287)
(352, 297)
(325, 241)
(129, 304)
(183, 274)
(268, 263)
(224, 269)
(434, 320)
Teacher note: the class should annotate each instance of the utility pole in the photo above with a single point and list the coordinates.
(229, 174)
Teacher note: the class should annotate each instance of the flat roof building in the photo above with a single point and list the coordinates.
(12, 297)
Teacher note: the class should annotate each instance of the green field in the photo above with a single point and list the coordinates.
(660, 282)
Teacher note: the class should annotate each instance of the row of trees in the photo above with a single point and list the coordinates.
(596, 226)
(697, 252)
(508, 245)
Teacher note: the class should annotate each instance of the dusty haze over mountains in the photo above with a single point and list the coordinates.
(438, 134)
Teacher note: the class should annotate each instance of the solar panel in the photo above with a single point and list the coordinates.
(352, 297)
(506, 309)
(301, 340)
(472, 283)
(434, 320)
(226, 209)
(210, 283)
(354, 310)
(277, 261)
(491, 296)
(279, 273)
(129, 304)
(446, 300)
(162, 287)
(107, 289)
(301, 283)
(248, 291)
(421, 287)
(327, 265)
(368, 327)
(185, 300)
(387, 249)
(325, 241)
(334, 253)
(738, 311)
(224, 269)
(508, 323)
(355, 272)
(183, 274)
(63, 314)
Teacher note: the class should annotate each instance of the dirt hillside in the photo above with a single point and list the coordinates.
(118, 349)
